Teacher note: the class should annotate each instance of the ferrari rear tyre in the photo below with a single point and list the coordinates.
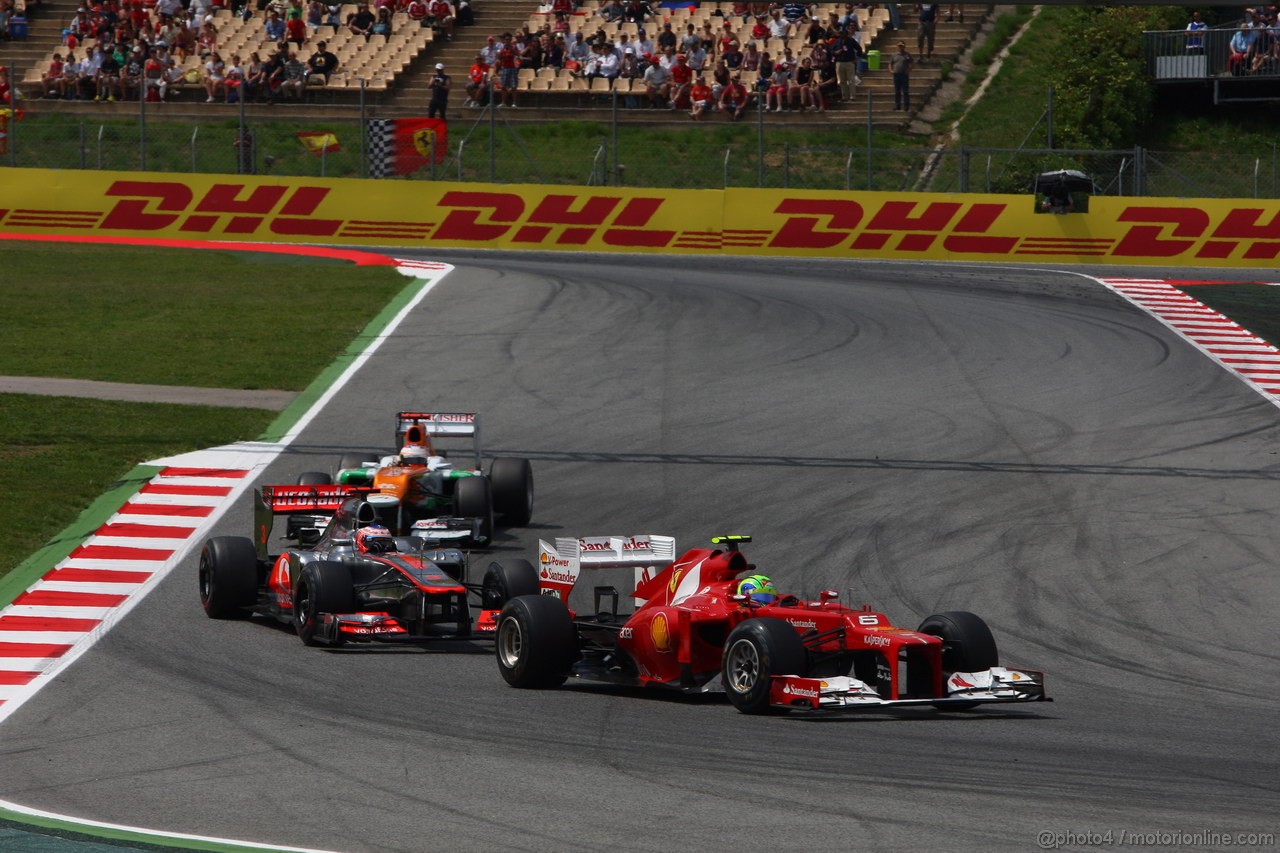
(508, 579)
(314, 478)
(968, 646)
(472, 498)
(512, 481)
(755, 651)
(536, 642)
(322, 587)
(228, 577)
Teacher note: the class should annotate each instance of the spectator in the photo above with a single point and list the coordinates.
(315, 15)
(381, 23)
(734, 99)
(846, 53)
(274, 28)
(153, 76)
(508, 71)
(207, 41)
(531, 56)
(1195, 33)
(700, 98)
(613, 11)
(643, 44)
(51, 81)
(107, 79)
(732, 56)
(637, 11)
(131, 74)
(295, 28)
(667, 38)
(322, 63)
(751, 58)
(720, 77)
(681, 81)
(490, 51)
(439, 86)
(795, 12)
(779, 87)
(697, 59)
(928, 13)
(418, 11)
(951, 14)
(1242, 49)
(214, 77)
(828, 85)
(555, 55)
(233, 80)
(779, 27)
(294, 82)
(255, 77)
(760, 29)
(441, 17)
(361, 22)
(849, 18)
(657, 83)
(900, 63)
(803, 85)
(477, 85)
(815, 33)
(690, 40)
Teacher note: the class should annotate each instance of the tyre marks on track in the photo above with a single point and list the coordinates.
(1237, 349)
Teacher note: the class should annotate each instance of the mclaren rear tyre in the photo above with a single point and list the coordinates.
(314, 478)
(512, 481)
(968, 646)
(472, 498)
(508, 579)
(536, 642)
(323, 587)
(228, 577)
(755, 651)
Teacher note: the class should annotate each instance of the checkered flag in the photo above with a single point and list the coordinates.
(381, 154)
(402, 146)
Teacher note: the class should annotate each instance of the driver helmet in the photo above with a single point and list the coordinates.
(758, 588)
(374, 539)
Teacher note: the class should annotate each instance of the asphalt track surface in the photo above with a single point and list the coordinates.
(1022, 444)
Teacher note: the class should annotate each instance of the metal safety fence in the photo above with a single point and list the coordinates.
(750, 153)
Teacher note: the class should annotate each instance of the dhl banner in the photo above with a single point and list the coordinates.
(419, 214)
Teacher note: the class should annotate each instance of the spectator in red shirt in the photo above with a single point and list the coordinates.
(734, 98)
(508, 70)
(681, 81)
(477, 85)
(700, 98)
(440, 16)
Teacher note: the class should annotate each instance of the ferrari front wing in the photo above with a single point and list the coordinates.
(843, 693)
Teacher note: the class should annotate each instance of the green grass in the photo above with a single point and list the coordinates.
(179, 317)
(58, 454)
(156, 316)
(1254, 307)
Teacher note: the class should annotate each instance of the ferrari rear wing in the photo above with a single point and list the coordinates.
(559, 564)
(441, 425)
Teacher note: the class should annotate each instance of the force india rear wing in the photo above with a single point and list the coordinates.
(559, 564)
(441, 425)
(309, 509)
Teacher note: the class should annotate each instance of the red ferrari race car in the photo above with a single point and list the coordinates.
(700, 625)
(348, 578)
(420, 491)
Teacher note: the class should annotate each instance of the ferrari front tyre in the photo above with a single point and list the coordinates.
(755, 651)
(228, 577)
(472, 498)
(314, 478)
(512, 481)
(323, 587)
(508, 579)
(967, 646)
(536, 642)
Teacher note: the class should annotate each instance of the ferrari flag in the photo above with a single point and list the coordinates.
(319, 141)
(402, 146)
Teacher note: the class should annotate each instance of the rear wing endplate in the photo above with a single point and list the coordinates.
(559, 564)
(442, 425)
(309, 509)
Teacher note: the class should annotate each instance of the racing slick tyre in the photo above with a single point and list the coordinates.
(228, 577)
(323, 587)
(968, 646)
(755, 651)
(354, 460)
(314, 478)
(508, 579)
(512, 484)
(536, 642)
(472, 498)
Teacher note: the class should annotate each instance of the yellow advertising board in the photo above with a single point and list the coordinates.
(418, 214)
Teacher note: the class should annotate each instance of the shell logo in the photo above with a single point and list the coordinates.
(660, 632)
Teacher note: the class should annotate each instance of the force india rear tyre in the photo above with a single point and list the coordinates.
(314, 478)
(968, 646)
(354, 460)
(536, 642)
(755, 651)
(228, 577)
(512, 481)
(507, 579)
(472, 498)
(323, 587)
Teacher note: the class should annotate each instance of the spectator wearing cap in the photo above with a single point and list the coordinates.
(681, 81)
(657, 83)
(732, 56)
(846, 53)
(900, 63)
(477, 85)
(779, 85)
(490, 51)
(322, 63)
(700, 98)
(642, 43)
(108, 76)
(439, 87)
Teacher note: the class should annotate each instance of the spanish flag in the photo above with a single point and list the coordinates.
(319, 141)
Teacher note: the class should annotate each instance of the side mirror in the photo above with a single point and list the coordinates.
(828, 595)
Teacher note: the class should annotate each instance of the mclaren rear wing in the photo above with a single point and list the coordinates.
(560, 563)
(441, 425)
(309, 509)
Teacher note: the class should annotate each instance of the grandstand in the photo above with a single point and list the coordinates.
(396, 69)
